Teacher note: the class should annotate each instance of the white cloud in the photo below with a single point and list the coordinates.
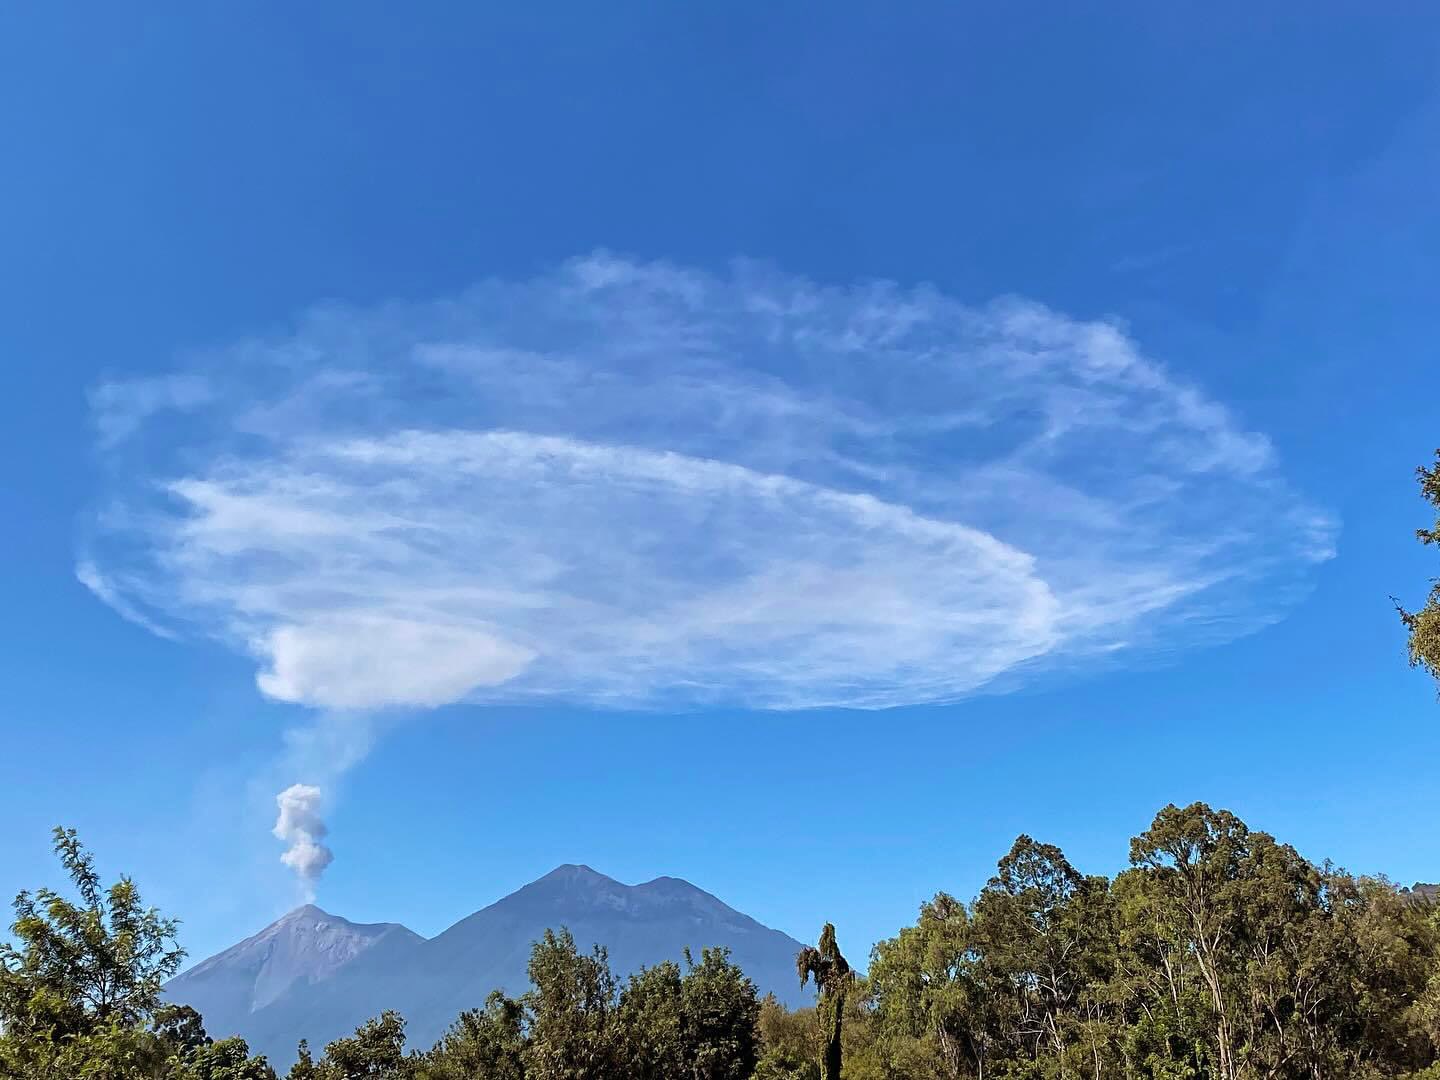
(632, 484)
(362, 660)
(121, 407)
(89, 575)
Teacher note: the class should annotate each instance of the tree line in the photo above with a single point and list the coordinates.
(1220, 953)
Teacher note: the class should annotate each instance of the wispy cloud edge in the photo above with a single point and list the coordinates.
(634, 484)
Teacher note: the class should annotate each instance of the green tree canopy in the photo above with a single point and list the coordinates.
(571, 1006)
(719, 1010)
(80, 989)
(652, 1017)
(486, 1043)
(375, 1052)
(1219, 954)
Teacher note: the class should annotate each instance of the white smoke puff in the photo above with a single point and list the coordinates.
(299, 824)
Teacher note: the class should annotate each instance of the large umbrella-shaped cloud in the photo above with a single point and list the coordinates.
(636, 484)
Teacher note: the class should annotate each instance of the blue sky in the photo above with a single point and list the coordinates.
(527, 425)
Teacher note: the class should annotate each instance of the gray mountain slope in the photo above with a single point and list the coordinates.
(431, 982)
(303, 948)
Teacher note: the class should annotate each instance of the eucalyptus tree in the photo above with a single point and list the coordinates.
(1043, 937)
(932, 1014)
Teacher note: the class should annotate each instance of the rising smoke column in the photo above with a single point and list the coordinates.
(300, 826)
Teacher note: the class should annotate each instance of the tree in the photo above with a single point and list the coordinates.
(833, 980)
(304, 1067)
(930, 1006)
(375, 1052)
(789, 1042)
(81, 967)
(571, 1005)
(1424, 625)
(80, 992)
(1043, 936)
(80, 985)
(1246, 961)
(651, 1016)
(1362, 970)
(484, 1043)
(1192, 861)
(719, 1010)
(225, 1059)
(190, 1054)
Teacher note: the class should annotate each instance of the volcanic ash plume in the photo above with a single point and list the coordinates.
(300, 826)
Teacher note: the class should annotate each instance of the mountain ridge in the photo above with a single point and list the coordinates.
(314, 975)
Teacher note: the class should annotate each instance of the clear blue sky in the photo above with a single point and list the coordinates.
(1244, 205)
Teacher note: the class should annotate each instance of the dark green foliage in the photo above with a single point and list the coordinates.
(1220, 954)
(719, 1010)
(227, 1059)
(789, 1043)
(180, 1026)
(1424, 625)
(652, 1015)
(664, 1025)
(571, 1007)
(700, 1025)
(304, 1067)
(484, 1043)
(833, 980)
(375, 1052)
(192, 1055)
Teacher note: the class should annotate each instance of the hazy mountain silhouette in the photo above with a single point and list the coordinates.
(316, 976)
(297, 951)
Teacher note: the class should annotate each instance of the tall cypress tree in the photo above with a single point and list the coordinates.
(833, 979)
